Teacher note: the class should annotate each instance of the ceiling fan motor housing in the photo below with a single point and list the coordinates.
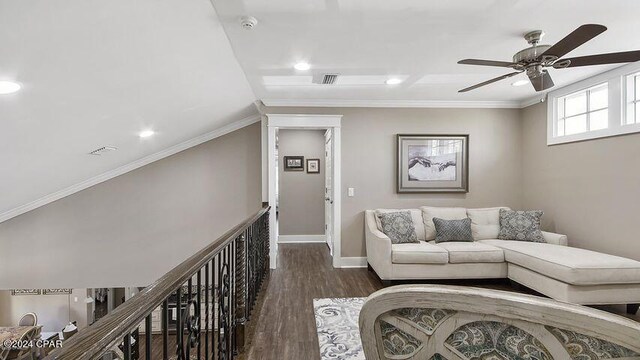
(530, 54)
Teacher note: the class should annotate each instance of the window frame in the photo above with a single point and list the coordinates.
(631, 102)
(616, 81)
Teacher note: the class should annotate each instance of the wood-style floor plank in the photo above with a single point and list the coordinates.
(283, 325)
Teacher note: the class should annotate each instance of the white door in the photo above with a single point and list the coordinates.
(328, 191)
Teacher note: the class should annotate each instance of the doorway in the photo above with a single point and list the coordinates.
(329, 130)
(301, 188)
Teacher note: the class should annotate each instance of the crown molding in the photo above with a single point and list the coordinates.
(534, 100)
(394, 103)
(129, 167)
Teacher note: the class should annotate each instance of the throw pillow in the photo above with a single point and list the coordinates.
(520, 225)
(398, 226)
(452, 230)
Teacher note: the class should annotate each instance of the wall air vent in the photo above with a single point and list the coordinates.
(325, 79)
(102, 150)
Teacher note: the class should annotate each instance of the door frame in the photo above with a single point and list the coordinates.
(273, 122)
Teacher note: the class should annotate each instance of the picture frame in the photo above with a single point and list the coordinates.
(313, 166)
(432, 163)
(57, 291)
(293, 163)
(20, 292)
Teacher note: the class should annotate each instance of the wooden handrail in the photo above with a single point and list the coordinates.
(109, 331)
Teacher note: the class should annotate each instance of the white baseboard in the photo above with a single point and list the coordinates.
(298, 239)
(353, 262)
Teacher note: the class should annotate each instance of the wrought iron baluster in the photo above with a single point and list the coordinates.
(206, 311)
(198, 310)
(188, 318)
(127, 347)
(165, 329)
(147, 337)
(218, 297)
(231, 325)
(240, 288)
(179, 325)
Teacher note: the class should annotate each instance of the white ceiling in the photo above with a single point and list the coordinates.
(97, 72)
(370, 40)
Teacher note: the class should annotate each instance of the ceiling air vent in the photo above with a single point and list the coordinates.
(102, 150)
(325, 79)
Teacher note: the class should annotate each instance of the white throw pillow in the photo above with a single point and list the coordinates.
(416, 216)
(485, 222)
(445, 213)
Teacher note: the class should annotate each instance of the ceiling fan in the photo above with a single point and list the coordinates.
(535, 59)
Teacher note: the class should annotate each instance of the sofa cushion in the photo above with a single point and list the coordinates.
(571, 265)
(418, 253)
(416, 216)
(398, 226)
(429, 212)
(520, 225)
(452, 230)
(485, 222)
(472, 252)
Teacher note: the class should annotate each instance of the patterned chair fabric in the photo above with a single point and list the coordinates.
(461, 323)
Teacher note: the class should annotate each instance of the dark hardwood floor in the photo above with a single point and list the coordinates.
(283, 327)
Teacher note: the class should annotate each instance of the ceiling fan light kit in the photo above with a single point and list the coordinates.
(533, 60)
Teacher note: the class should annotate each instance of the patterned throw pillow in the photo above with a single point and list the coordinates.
(398, 226)
(520, 225)
(452, 230)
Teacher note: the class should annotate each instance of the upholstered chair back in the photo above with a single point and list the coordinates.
(431, 322)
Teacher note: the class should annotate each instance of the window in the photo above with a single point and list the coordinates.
(583, 111)
(607, 104)
(633, 99)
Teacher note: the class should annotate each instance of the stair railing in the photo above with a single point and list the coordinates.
(204, 303)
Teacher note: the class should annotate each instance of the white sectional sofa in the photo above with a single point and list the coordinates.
(554, 269)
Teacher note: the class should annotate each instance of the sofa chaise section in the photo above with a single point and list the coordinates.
(552, 268)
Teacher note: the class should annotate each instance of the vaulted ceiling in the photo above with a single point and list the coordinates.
(368, 41)
(96, 73)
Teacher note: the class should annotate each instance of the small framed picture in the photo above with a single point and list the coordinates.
(293, 163)
(313, 166)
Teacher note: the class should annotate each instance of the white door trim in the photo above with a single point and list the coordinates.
(302, 121)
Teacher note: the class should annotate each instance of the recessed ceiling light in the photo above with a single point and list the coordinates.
(146, 133)
(302, 66)
(393, 81)
(520, 83)
(8, 87)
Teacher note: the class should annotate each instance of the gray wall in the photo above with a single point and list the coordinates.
(53, 311)
(301, 204)
(130, 230)
(369, 152)
(588, 190)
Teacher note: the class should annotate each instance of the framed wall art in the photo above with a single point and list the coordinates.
(293, 163)
(313, 166)
(433, 163)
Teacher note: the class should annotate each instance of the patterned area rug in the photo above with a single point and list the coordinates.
(337, 324)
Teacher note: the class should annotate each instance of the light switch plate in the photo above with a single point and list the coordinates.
(352, 192)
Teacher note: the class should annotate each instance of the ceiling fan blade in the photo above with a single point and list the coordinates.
(601, 59)
(578, 37)
(542, 81)
(486, 62)
(490, 81)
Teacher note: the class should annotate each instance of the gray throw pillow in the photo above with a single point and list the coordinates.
(520, 225)
(398, 226)
(452, 230)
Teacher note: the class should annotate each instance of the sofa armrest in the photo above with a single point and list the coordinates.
(378, 246)
(553, 238)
